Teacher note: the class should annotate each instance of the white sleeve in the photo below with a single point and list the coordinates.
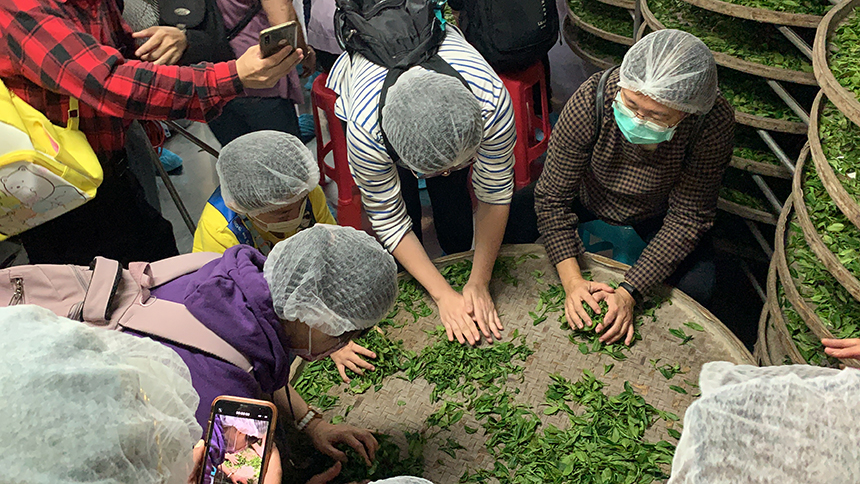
(377, 179)
(493, 171)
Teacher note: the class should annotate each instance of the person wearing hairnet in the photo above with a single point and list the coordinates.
(269, 191)
(314, 292)
(439, 129)
(114, 408)
(656, 163)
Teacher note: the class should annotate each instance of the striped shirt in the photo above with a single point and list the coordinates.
(358, 83)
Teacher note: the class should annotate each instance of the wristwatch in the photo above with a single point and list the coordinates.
(637, 296)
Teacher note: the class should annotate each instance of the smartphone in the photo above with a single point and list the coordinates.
(239, 440)
(276, 38)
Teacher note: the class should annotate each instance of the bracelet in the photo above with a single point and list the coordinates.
(303, 423)
(637, 296)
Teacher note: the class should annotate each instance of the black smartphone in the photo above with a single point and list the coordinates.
(276, 38)
(239, 441)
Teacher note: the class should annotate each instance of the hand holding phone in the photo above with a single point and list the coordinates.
(239, 441)
(276, 38)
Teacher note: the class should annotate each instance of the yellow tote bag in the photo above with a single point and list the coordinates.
(45, 170)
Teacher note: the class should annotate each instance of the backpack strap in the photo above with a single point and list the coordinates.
(174, 323)
(599, 100)
(435, 63)
(106, 274)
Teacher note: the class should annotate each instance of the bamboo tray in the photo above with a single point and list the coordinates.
(746, 212)
(628, 4)
(845, 100)
(554, 354)
(758, 167)
(810, 233)
(738, 64)
(770, 124)
(570, 33)
(603, 34)
(758, 14)
(831, 182)
(813, 322)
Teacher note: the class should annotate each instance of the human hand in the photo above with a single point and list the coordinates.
(325, 435)
(455, 314)
(165, 45)
(479, 304)
(197, 455)
(842, 348)
(581, 291)
(232, 458)
(329, 474)
(348, 357)
(243, 474)
(255, 72)
(309, 63)
(618, 317)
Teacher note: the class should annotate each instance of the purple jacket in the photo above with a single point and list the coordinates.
(230, 296)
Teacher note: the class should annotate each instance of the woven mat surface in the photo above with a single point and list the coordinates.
(554, 354)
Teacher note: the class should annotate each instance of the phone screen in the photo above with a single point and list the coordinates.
(236, 445)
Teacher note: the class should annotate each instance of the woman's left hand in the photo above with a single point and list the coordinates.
(350, 357)
(325, 435)
(165, 45)
(480, 306)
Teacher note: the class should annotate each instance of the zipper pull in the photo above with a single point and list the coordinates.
(19, 291)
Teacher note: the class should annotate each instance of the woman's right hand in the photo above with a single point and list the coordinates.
(329, 475)
(581, 291)
(458, 322)
(258, 73)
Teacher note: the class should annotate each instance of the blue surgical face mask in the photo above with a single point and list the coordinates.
(639, 131)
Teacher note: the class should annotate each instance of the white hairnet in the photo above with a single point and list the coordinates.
(89, 405)
(674, 68)
(265, 169)
(779, 425)
(432, 121)
(335, 279)
(403, 480)
(249, 427)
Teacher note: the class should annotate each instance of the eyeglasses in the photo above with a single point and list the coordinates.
(424, 176)
(618, 102)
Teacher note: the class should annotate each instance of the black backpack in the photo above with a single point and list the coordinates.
(208, 37)
(397, 35)
(510, 34)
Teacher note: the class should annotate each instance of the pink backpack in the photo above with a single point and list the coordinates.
(107, 296)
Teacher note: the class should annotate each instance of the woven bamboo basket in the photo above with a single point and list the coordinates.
(628, 4)
(738, 64)
(844, 99)
(603, 34)
(829, 178)
(554, 354)
(770, 124)
(570, 32)
(758, 14)
(748, 213)
(789, 284)
(813, 238)
(766, 169)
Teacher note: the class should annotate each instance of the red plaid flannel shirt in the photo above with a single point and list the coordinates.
(53, 49)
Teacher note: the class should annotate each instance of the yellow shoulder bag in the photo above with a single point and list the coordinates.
(45, 170)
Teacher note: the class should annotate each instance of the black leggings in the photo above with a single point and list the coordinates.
(452, 208)
(696, 275)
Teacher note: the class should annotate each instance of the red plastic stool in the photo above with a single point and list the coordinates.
(348, 199)
(520, 86)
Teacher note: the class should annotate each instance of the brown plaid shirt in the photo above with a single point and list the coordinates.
(624, 184)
